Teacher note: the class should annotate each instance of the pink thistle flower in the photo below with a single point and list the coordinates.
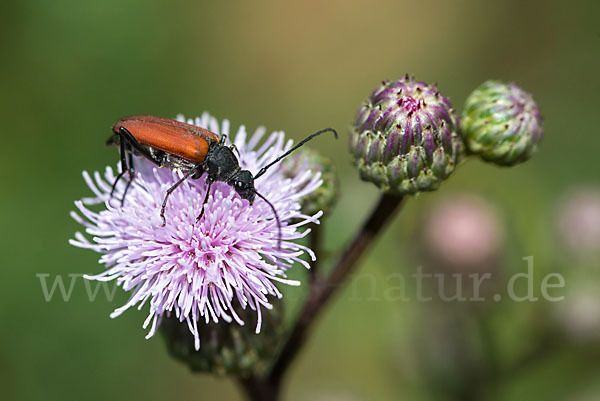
(201, 270)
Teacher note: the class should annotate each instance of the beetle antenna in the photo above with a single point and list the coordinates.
(302, 142)
(276, 218)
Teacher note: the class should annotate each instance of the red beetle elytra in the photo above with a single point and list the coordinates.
(191, 149)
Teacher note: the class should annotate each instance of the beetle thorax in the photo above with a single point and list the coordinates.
(221, 164)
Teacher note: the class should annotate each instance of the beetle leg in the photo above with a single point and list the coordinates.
(232, 147)
(170, 190)
(124, 168)
(131, 175)
(209, 181)
(128, 144)
(235, 149)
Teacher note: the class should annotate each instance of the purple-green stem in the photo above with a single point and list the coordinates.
(268, 388)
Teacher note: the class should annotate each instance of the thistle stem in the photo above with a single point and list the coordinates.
(322, 290)
(268, 388)
(259, 390)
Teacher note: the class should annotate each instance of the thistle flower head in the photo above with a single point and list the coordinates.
(501, 123)
(203, 270)
(405, 137)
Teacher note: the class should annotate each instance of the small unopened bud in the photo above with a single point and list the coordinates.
(324, 197)
(405, 137)
(227, 348)
(501, 123)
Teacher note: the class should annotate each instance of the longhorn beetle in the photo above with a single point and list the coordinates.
(191, 149)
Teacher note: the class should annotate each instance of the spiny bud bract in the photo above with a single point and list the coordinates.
(326, 195)
(227, 349)
(405, 138)
(501, 123)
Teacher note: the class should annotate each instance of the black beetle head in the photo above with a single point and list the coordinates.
(243, 183)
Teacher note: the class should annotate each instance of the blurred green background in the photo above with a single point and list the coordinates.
(70, 69)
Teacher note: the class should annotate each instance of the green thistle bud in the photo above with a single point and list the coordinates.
(501, 123)
(405, 137)
(325, 197)
(227, 348)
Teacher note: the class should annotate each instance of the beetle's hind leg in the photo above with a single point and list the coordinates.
(131, 176)
(124, 168)
(128, 144)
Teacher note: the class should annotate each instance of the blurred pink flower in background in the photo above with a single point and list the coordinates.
(463, 233)
(578, 221)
